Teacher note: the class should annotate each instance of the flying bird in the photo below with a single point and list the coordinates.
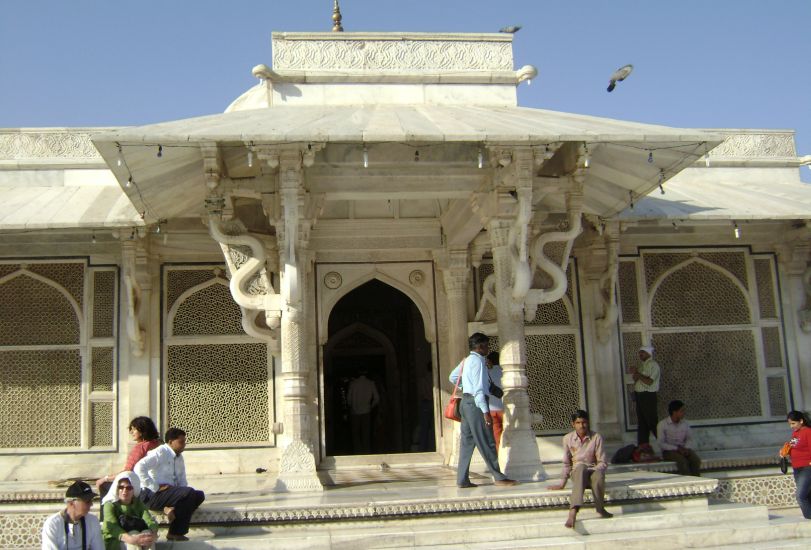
(512, 29)
(619, 75)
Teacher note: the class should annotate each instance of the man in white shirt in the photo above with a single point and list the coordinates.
(646, 386)
(676, 440)
(477, 423)
(74, 528)
(362, 398)
(164, 488)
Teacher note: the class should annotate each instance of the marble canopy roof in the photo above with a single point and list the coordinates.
(173, 185)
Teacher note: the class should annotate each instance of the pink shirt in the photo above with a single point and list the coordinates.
(139, 451)
(589, 451)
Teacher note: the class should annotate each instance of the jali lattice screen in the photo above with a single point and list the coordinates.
(719, 342)
(217, 378)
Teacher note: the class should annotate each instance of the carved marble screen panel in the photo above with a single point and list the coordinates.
(713, 317)
(48, 343)
(217, 381)
(219, 393)
(40, 398)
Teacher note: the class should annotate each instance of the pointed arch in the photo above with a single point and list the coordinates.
(728, 277)
(422, 307)
(22, 272)
(172, 313)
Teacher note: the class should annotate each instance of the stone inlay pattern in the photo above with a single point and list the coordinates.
(391, 55)
(773, 490)
(21, 530)
(219, 393)
(41, 390)
(697, 295)
(554, 381)
(698, 363)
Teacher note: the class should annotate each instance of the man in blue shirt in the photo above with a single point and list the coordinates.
(477, 424)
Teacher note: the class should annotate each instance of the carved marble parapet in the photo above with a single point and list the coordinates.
(47, 144)
(756, 144)
(392, 52)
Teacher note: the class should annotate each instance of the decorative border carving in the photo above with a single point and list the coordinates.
(47, 145)
(376, 55)
(756, 145)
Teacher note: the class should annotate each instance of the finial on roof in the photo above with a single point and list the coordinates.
(336, 18)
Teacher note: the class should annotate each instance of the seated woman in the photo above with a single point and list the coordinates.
(146, 437)
(127, 522)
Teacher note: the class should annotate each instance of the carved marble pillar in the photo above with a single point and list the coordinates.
(518, 455)
(297, 463)
(137, 284)
(456, 279)
(794, 262)
(599, 313)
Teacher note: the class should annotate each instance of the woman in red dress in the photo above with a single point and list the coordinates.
(146, 437)
(799, 449)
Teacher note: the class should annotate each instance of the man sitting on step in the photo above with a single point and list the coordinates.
(676, 440)
(583, 461)
(164, 488)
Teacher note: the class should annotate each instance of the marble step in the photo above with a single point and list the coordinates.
(499, 530)
(726, 534)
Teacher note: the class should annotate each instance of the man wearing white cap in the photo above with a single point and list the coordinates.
(646, 384)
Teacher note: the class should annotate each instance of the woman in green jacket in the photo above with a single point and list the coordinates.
(127, 522)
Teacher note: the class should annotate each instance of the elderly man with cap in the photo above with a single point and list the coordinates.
(646, 385)
(74, 528)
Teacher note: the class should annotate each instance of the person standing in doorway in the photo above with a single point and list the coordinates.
(496, 404)
(362, 397)
(646, 386)
(477, 423)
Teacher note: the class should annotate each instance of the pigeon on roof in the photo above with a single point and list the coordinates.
(619, 75)
(512, 29)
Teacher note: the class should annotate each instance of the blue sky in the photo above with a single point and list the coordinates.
(698, 63)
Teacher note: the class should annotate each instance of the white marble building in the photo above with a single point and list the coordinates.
(370, 203)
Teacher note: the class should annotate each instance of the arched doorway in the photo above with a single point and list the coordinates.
(376, 331)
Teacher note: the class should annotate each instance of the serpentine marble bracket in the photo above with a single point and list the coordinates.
(608, 283)
(541, 262)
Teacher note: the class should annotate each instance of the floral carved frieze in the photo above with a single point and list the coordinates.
(41, 145)
(391, 55)
(756, 145)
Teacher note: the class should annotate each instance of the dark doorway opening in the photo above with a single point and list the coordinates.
(376, 333)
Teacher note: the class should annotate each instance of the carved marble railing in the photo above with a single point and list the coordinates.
(392, 52)
(48, 144)
(754, 144)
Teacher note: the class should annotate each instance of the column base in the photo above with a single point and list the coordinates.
(519, 457)
(297, 471)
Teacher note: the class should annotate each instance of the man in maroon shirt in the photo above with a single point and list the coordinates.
(584, 459)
